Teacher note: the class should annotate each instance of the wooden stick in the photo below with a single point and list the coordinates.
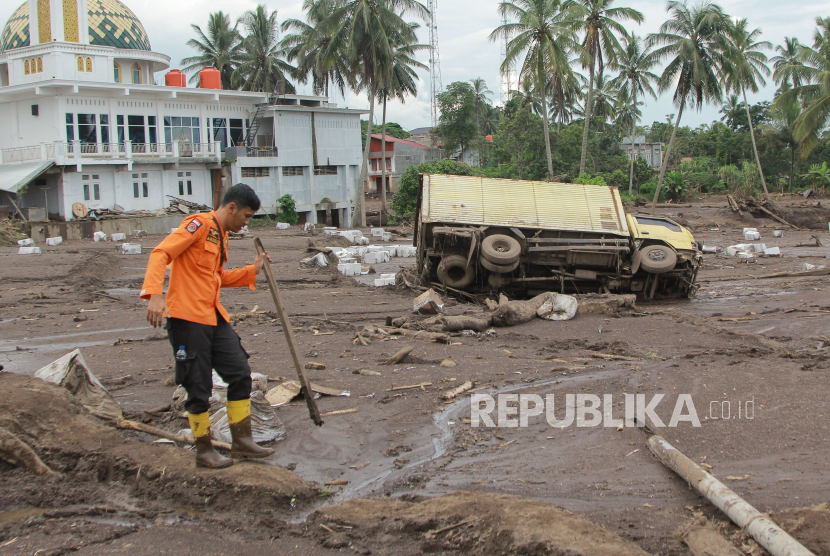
(181, 438)
(421, 385)
(398, 356)
(289, 336)
(340, 412)
(456, 391)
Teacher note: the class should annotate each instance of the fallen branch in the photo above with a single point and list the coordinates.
(181, 438)
(411, 386)
(19, 454)
(421, 335)
(612, 357)
(459, 323)
(339, 412)
(759, 526)
(160, 409)
(456, 391)
(432, 534)
(398, 357)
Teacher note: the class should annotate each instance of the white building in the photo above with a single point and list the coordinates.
(650, 152)
(84, 122)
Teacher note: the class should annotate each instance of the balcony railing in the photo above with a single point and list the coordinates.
(77, 152)
(262, 151)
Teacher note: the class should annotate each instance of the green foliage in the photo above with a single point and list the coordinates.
(616, 179)
(405, 200)
(393, 129)
(288, 212)
(819, 176)
(588, 180)
(674, 185)
(457, 126)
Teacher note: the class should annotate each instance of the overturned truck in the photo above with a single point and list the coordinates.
(524, 237)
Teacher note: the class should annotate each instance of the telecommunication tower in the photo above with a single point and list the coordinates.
(508, 78)
(434, 64)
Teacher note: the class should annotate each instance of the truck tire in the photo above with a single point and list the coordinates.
(501, 249)
(454, 272)
(656, 258)
(499, 268)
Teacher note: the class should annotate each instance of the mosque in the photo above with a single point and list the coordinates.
(94, 119)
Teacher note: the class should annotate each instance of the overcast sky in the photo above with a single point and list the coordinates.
(465, 51)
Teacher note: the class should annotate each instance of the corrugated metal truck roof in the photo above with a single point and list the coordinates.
(526, 204)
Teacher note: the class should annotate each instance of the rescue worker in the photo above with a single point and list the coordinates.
(197, 324)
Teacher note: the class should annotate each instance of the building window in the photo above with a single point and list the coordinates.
(116, 70)
(220, 133)
(293, 170)
(122, 135)
(325, 170)
(40, 65)
(136, 74)
(182, 130)
(145, 189)
(135, 132)
(237, 132)
(104, 119)
(89, 64)
(151, 127)
(80, 63)
(26, 67)
(97, 191)
(70, 129)
(135, 188)
(86, 192)
(87, 132)
(92, 183)
(256, 172)
(183, 180)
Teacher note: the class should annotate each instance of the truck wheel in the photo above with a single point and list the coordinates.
(499, 268)
(656, 259)
(454, 272)
(501, 249)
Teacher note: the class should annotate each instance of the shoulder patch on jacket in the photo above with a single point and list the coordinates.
(194, 225)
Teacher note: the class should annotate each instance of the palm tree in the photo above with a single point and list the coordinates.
(813, 69)
(731, 111)
(261, 68)
(599, 21)
(819, 176)
(787, 56)
(221, 48)
(401, 82)
(481, 91)
(365, 32)
(305, 44)
(781, 125)
(543, 34)
(565, 91)
(744, 69)
(635, 62)
(692, 39)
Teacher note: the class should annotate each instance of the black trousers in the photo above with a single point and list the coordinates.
(209, 347)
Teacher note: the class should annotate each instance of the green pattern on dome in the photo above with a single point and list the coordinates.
(111, 23)
(16, 32)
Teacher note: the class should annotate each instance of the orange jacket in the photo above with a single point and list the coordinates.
(196, 274)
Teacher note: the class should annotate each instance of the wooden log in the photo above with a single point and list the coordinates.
(19, 454)
(411, 386)
(456, 391)
(181, 438)
(421, 335)
(399, 356)
(289, 335)
(339, 412)
(775, 216)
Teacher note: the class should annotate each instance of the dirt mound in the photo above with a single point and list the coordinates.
(470, 522)
(10, 232)
(88, 453)
(811, 526)
(813, 218)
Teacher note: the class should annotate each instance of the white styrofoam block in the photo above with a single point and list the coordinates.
(329, 228)
(745, 255)
(405, 250)
(118, 237)
(752, 236)
(374, 248)
(370, 258)
(777, 233)
(758, 247)
(733, 250)
(710, 249)
(99, 236)
(360, 240)
(54, 240)
(387, 236)
(750, 230)
(330, 232)
(131, 248)
(773, 251)
(308, 226)
(28, 242)
(377, 232)
(388, 275)
(808, 266)
(283, 225)
(28, 251)
(347, 260)
(349, 269)
(380, 282)
(344, 254)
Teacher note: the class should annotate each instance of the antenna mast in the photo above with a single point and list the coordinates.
(434, 64)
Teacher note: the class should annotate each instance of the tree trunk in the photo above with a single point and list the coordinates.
(754, 146)
(383, 165)
(587, 124)
(666, 159)
(792, 166)
(545, 123)
(360, 196)
(633, 132)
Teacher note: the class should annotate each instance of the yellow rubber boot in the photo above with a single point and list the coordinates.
(206, 456)
(239, 419)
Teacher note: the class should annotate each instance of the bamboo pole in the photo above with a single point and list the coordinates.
(289, 336)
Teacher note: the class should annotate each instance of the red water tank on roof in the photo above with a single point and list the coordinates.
(175, 78)
(209, 78)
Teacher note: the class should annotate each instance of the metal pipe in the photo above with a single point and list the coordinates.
(760, 527)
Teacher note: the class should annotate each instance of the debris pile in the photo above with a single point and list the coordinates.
(759, 209)
(752, 250)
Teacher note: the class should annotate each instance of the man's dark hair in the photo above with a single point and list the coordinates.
(243, 196)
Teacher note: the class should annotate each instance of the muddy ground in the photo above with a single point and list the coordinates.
(420, 477)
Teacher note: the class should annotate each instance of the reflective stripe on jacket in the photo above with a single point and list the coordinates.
(197, 272)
